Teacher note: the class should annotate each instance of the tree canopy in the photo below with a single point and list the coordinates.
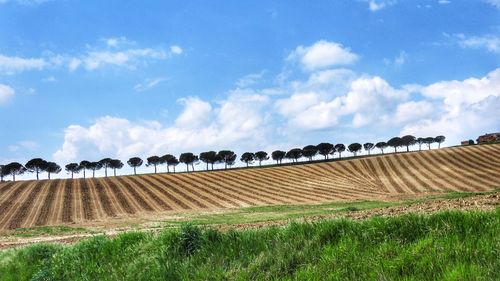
(408, 141)
(52, 168)
(209, 157)
(354, 148)
(135, 162)
(85, 165)
(381, 145)
(439, 140)
(154, 161)
(395, 143)
(278, 156)
(340, 148)
(294, 154)
(227, 157)
(310, 151)
(72, 168)
(105, 163)
(261, 156)
(36, 165)
(368, 147)
(247, 158)
(115, 164)
(188, 158)
(14, 169)
(325, 149)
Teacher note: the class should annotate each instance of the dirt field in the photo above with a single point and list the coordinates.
(389, 177)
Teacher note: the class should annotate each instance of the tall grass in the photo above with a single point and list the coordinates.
(442, 246)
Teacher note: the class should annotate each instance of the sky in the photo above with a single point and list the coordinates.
(84, 80)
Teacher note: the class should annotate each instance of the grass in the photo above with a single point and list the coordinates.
(45, 231)
(441, 246)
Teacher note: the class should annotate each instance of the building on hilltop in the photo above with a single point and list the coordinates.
(467, 142)
(488, 138)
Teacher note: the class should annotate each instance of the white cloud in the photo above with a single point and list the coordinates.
(250, 79)
(26, 2)
(398, 61)
(236, 122)
(444, 2)
(6, 94)
(376, 5)
(413, 111)
(148, 84)
(49, 79)
(490, 42)
(176, 50)
(495, 3)
(323, 54)
(10, 65)
(23, 145)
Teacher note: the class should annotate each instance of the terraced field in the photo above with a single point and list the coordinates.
(37, 203)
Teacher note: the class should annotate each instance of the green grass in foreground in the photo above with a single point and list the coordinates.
(442, 246)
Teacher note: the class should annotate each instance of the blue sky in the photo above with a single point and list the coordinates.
(92, 79)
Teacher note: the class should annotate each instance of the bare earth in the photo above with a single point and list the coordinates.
(478, 202)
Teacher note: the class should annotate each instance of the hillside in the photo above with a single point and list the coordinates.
(37, 203)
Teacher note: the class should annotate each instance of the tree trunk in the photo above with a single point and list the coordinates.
(13, 177)
(168, 169)
(174, 169)
(207, 166)
(260, 163)
(71, 175)
(187, 167)
(395, 151)
(407, 148)
(114, 172)
(155, 169)
(37, 174)
(212, 166)
(83, 173)
(135, 171)
(439, 145)
(93, 173)
(106, 171)
(192, 166)
(49, 175)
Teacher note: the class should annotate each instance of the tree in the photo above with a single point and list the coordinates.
(209, 157)
(154, 161)
(381, 145)
(340, 148)
(395, 142)
(135, 162)
(85, 165)
(368, 147)
(278, 156)
(105, 163)
(309, 151)
(354, 148)
(429, 141)
(14, 169)
(188, 158)
(294, 154)
(247, 158)
(261, 156)
(73, 168)
(439, 140)
(226, 157)
(115, 164)
(172, 162)
(2, 171)
(52, 168)
(325, 149)
(95, 166)
(36, 165)
(420, 141)
(407, 141)
(169, 158)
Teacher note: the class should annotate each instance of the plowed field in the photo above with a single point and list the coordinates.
(35, 203)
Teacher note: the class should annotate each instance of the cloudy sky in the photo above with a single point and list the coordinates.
(92, 79)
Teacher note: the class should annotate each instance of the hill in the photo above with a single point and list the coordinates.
(36, 203)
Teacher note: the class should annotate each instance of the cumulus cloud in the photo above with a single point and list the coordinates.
(495, 3)
(237, 121)
(11, 65)
(323, 54)
(6, 93)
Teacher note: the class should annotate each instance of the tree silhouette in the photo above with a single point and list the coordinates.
(407, 141)
(381, 145)
(261, 156)
(226, 157)
(105, 163)
(340, 148)
(420, 141)
(294, 154)
(85, 165)
(209, 157)
(14, 169)
(395, 143)
(36, 165)
(429, 141)
(368, 147)
(325, 149)
(188, 158)
(439, 140)
(354, 148)
(2, 171)
(173, 161)
(168, 158)
(115, 164)
(278, 156)
(309, 151)
(95, 166)
(247, 158)
(73, 168)
(52, 168)
(154, 161)
(134, 162)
